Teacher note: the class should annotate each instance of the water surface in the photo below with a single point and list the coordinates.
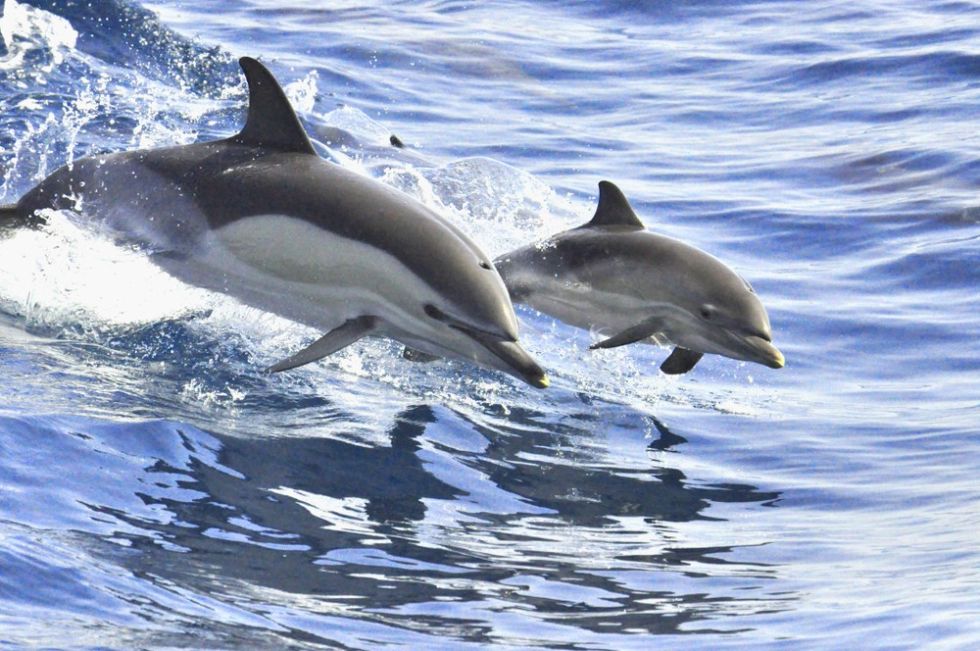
(157, 490)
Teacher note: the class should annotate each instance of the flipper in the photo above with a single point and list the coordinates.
(630, 335)
(613, 209)
(271, 122)
(413, 355)
(680, 361)
(340, 337)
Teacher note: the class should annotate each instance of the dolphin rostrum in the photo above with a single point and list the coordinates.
(261, 217)
(613, 275)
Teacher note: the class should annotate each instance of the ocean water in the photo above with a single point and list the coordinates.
(158, 490)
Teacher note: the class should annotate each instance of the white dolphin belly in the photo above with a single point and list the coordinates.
(292, 268)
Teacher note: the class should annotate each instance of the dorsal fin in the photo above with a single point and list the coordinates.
(271, 122)
(613, 209)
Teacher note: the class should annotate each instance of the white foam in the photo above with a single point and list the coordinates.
(302, 92)
(25, 28)
(63, 274)
(357, 123)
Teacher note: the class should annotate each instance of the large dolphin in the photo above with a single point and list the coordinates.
(613, 275)
(261, 217)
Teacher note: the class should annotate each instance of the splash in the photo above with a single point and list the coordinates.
(358, 124)
(26, 31)
(506, 206)
(131, 37)
(302, 92)
(63, 275)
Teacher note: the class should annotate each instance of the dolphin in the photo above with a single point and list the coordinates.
(261, 217)
(613, 275)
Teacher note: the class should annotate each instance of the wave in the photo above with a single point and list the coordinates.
(126, 35)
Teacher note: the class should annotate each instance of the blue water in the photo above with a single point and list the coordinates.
(157, 490)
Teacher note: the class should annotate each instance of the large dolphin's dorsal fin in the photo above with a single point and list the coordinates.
(613, 208)
(271, 122)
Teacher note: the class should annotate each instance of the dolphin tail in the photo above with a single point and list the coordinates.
(9, 214)
(11, 218)
(340, 337)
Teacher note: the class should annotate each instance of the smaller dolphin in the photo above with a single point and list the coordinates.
(612, 274)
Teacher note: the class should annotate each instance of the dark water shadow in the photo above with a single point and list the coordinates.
(419, 523)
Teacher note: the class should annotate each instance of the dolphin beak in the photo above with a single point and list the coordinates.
(518, 362)
(514, 359)
(763, 352)
(778, 361)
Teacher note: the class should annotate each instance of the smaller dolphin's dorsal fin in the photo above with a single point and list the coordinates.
(271, 122)
(613, 209)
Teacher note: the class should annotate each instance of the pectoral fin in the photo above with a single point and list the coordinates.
(413, 355)
(630, 335)
(680, 361)
(340, 337)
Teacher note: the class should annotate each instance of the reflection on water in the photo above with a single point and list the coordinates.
(503, 528)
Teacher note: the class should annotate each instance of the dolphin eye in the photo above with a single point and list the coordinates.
(485, 265)
(707, 312)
